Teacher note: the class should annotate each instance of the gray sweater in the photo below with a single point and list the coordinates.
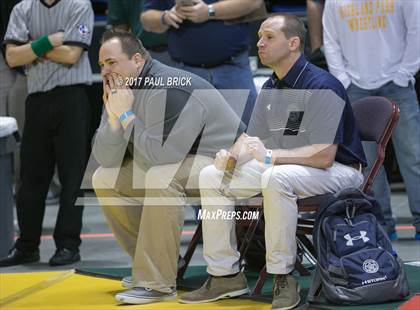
(177, 113)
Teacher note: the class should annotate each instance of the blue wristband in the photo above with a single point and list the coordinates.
(268, 157)
(125, 115)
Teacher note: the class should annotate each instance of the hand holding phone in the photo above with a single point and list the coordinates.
(185, 2)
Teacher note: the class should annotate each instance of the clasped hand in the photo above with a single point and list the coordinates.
(117, 97)
(245, 147)
(197, 13)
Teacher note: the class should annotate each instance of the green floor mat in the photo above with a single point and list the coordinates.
(196, 275)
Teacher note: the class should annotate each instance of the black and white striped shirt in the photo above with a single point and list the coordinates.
(31, 19)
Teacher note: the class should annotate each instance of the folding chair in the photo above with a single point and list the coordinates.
(376, 118)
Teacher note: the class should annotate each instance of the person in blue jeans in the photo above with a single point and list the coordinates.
(374, 51)
(407, 150)
(199, 41)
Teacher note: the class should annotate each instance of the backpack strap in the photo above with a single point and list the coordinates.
(315, 291)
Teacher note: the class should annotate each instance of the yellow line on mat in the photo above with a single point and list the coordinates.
(37, 287)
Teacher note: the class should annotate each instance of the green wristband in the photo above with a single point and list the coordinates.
(41, 46)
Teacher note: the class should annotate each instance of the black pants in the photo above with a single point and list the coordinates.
(55, 132)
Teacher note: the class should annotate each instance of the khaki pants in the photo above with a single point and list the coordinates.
(147, 220)
(281, 186)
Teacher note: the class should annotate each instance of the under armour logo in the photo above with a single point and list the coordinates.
(269, 107)
(350, 239)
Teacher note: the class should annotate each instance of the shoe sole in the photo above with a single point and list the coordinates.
(142, 301)
(226, 295)
(290, 307)
(23, 262)
(63, 264)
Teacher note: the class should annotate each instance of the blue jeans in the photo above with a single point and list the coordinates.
(406, 141)
(230, 76)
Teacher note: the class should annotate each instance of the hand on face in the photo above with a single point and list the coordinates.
(197, 13)
(118, 98)
(106, 90)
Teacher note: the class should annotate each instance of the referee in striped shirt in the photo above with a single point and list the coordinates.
(51, 38)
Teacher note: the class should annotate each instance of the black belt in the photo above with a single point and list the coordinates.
(210, 66)
(357, 166)
(157, 48)
(229, 61)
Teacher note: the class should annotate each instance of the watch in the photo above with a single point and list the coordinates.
(212, 12)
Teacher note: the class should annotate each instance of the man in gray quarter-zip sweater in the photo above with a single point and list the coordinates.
(160, 126)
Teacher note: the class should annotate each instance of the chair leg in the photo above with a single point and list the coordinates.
(249, 235)
(260, 281)
(303, 272)
(301, 253)
(190, 251)
(307, 243)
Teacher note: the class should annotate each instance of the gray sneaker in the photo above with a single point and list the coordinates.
(144, 295)
(127, 282)
(285, 292)
(216, 288)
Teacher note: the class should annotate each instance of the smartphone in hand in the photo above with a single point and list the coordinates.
(185, 2)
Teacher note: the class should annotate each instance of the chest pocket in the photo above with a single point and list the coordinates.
(285, 113)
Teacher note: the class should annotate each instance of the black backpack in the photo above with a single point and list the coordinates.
(356, 263)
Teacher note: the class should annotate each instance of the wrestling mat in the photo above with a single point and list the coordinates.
(94, 289)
